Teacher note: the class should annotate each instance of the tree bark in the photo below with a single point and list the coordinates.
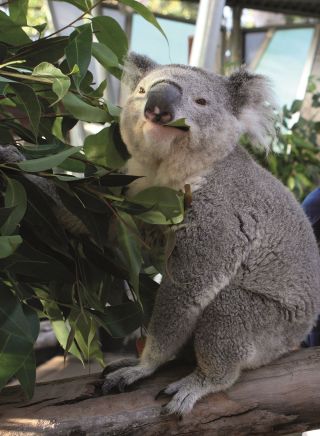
(280, 398)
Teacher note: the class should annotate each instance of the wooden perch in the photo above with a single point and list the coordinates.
(281, 398)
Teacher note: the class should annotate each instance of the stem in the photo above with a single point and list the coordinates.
(42, 116)
(74, 21)
(27, 77)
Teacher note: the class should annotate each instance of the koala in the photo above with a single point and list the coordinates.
(245, 273)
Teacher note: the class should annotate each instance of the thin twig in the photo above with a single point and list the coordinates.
(74, 21)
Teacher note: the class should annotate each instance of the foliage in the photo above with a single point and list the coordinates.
(73, 248)
(295, 155)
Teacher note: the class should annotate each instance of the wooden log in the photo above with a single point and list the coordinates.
(280, 398)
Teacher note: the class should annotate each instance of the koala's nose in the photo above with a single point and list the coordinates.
(162, 99)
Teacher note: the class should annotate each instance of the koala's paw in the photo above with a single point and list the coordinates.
(186, 392)
(120, 363)
(123, 377)
(10, 154)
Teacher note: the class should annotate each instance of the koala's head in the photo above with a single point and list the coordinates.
(218, 110)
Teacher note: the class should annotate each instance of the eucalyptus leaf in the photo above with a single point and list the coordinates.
(101, 149)
(84, 5)
(120, 320)
(44, 163)
(16, 337)
(180, 123)
(29, 101)
(144, 12)
(11, 32)
(60, 82)
(129, 242)
(84, 111)
(15, 197)
(104, 55)
(18, 10)
(110, 33)
(78, 51)
(9, 244)
(166, 202)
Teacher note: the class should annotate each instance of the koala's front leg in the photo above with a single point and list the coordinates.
(166, 336)
(203, 262)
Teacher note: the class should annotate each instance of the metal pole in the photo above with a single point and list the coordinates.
(206, 39)
(236, 36)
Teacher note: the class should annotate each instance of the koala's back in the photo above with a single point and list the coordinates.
(282, 259)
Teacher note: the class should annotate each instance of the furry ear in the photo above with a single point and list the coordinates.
(254, 105)
(135, 68)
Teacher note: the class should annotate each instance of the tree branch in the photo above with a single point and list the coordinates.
(280, 398)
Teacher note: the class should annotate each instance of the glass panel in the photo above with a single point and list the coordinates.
(284, 61)
(146, 39)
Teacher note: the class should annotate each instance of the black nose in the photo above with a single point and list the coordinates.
(162, 99)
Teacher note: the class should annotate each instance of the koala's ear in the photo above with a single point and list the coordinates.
(254, 105)
(135, 68)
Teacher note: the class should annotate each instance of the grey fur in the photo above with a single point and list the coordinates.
(246, 267)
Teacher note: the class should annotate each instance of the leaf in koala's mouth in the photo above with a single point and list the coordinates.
(179, 124)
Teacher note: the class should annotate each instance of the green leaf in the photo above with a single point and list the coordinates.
(296, 106)
(8, 245)
(4, 214)
(101, 149)
(144, 12)
(43, 50)
(181, 122)
(84, 5)
(30, 103)
(78, 51)
(40, 27)
(61, 82)
(27, 373)
(83, 111)
(48, 162)
(166, 203)
(62, 332)
(86, 336)
(10, 32)
(18, 11)
(16, 198)
(110, 33)
(120, 320)
(128, 240)
(104, 55)
(16, 337)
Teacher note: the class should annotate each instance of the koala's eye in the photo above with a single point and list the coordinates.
(142, 90)
(201, 101)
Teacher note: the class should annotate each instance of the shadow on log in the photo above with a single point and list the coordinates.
(280, 398)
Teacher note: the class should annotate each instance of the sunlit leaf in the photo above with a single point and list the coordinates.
(18, 11)
(61, 82)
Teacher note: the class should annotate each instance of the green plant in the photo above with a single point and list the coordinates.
(67, 259)
(294, 157)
